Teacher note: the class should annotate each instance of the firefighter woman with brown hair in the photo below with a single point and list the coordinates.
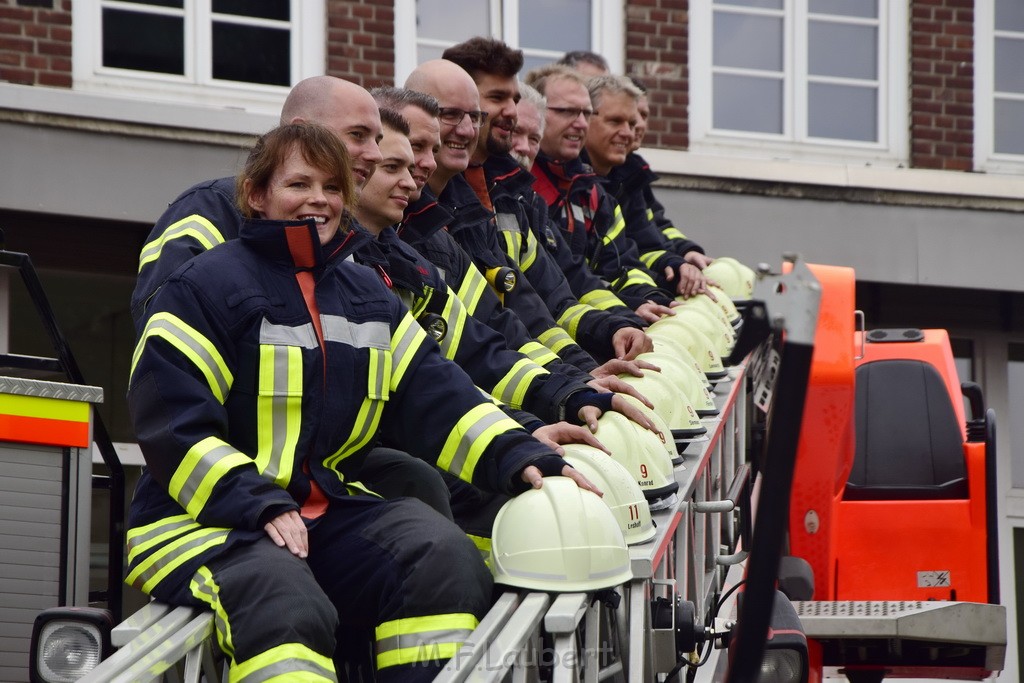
(267, 367)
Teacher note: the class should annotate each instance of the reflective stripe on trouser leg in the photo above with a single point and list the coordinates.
(271, 616)
(389, 561)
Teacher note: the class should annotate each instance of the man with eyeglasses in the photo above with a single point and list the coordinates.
(504, 187)
(611, 140)
(472, 225)
(589, 218)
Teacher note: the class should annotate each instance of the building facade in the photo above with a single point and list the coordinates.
(887, 135)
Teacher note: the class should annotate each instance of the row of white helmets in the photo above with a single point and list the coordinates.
(583, 545)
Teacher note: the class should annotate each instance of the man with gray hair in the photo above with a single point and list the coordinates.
(609, 146)
(529, 128)
(589, 219)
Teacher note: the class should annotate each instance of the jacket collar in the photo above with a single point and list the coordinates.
(505, 172)
(423, 218)
(632, 175)
(561, 173)
(296, 243)
(460, 199)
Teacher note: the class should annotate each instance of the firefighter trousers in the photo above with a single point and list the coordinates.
(389, 592)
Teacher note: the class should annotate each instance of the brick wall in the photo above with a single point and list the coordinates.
(942, 84)
(35, 42)
(656, 49)
(361, 41)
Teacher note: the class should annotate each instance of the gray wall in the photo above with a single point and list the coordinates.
(913, 245)
(107, 173)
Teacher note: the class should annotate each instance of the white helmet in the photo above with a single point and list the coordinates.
(664, 343)
(732, 276)
(713, 309)
(724, 301)
(640, 452)
(558, 538)
(670, 444)
(686, 378)
(718, 330)
(670, 402)
(621, 492)
(695, 341)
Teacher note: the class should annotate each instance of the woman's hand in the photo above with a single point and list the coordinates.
(288, 530)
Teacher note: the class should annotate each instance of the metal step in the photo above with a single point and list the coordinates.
(909, 634)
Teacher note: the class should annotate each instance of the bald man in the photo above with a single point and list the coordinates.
(205, 215)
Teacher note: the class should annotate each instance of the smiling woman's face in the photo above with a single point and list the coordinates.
(299, 190)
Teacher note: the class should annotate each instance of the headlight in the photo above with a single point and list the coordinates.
(782, 666)
(68, 643)
(785, 650)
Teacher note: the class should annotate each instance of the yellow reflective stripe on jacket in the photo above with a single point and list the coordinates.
(530, 255)
(513, 386)
(278, 411)
(649, 258)
(140, 539)
(164, 560)
(555, 339)
(422, 639)
(195, 226)
(602, 299)
(285, 662)
(650, 214)
(404, 344)
(205, 589)
(470, 437)
(203, 466)
(618, 225)
(673, 233)
(472, 288)
(538, 353)
(571, 317)
(455, 315)
(367, 420)
(192, 345)
(638, 277)
(508, 230)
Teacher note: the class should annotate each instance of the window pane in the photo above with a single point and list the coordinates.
(534, 61)
(767, 4)
(144, 42)
(748, 41)
(867, 9)
(1009, 126)
(251, 54)
(842, 112)
(159, 3)
(842, 50)
(424, 53)
(265, 9)
(560, 25)
(747, 103)
(1009, 15)
(437, 20)
(1009, 56)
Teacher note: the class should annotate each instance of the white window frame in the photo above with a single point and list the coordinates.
(985, 157)
(196, 86)
(607, 33)
(893, 144)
